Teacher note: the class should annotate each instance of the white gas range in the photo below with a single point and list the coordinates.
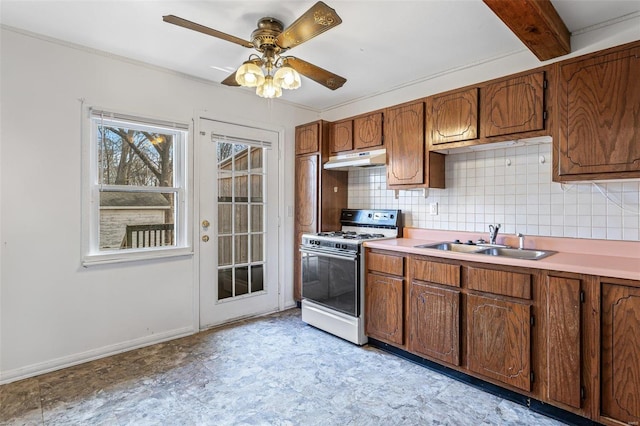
(333, 271)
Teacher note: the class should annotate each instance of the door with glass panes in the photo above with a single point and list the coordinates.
(238, 226)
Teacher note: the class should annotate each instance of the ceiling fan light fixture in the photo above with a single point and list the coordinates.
(287, 78)
(250, 75)
(269, 89)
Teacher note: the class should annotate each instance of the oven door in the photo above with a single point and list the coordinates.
(331, 279)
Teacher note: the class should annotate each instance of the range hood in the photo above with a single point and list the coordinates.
(354, 160)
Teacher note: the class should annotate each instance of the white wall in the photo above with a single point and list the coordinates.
(53, 311)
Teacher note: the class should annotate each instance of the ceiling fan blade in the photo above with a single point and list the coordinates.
(231, 80)
(172, 19)
(315, 73)
(313, 22)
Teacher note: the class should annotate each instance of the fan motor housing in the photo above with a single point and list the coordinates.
(265, 35)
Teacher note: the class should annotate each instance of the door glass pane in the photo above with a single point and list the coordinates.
(256, 218)
(225, 283)
(256, 278)
(242, 280)
(241, 219)
(224, 218)
(225, 251)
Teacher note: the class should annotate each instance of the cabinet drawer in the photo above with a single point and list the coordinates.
(512, 284)
(435, 272)
(385, 263)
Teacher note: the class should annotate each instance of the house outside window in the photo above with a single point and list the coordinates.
(137, 188)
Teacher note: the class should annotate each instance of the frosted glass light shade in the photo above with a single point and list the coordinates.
(287, 78)
(269, 89)
(249, 75)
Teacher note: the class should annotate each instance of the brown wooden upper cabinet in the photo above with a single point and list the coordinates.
(409, 164)
(513, 105)
(308, 138)
(599, 128)
(367, 131)
(341, 136)
(453, 116)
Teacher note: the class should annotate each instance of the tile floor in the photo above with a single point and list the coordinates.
(274, 370)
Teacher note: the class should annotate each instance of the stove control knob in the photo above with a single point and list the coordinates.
(338, 245)
(344, 246)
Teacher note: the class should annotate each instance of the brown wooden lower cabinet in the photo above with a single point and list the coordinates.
(384, 313)
(499, 340)
(434, 322)
(620, 361)
(563, 344)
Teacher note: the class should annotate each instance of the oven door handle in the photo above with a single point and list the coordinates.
(331, 255)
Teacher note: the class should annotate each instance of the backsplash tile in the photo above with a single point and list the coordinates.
(511, 186)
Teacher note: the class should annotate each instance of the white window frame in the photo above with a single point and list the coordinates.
(91, 254)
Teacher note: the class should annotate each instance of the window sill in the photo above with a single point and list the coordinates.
(134, 256)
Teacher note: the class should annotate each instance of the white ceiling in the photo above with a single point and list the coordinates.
(379, 45)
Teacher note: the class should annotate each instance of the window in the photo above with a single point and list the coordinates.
(137, 189)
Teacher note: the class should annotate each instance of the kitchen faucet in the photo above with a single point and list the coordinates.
(493, 233)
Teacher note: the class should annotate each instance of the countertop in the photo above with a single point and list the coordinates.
(615, 259)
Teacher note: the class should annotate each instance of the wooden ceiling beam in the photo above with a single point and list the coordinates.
(537, 24)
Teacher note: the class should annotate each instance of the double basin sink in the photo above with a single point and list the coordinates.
(490, 250)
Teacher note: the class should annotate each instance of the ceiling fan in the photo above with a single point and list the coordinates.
(270, 72)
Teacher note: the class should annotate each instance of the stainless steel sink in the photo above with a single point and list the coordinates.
(458, 247)
(514, 253)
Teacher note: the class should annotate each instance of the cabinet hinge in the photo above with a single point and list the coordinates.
(532, 321)
(202, 133)
(581, 296)
(582, 392)
(544, 115)
(531, 376)
(544, 84)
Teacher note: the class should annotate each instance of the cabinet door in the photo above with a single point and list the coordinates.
(384, 313)
(367, 131)
(453, 117)
(499, 340)
(306, 214)
(308, 138)
(434, 322)
(563, 340)
(341, 136)
(600, 123)
(514, 105)
(404, 133)
(620, 369)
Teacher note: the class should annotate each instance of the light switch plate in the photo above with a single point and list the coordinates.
(433, 209)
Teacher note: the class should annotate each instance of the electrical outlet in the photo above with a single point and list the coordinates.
(433, 209)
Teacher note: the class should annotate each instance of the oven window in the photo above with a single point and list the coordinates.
(331, 282)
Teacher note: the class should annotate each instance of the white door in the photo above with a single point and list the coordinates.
(238, 226)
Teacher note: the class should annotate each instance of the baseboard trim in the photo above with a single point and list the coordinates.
(91, 355)
(534, 405)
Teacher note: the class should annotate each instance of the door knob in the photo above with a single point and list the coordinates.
(205, 224)
(205, 238)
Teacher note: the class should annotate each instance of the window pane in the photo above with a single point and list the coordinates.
(257, 283)
(225, 188)
(242, 280)
(256, 218)
(134, 157)
(136, 219)
(224, 251)
(256, 248)
(242, 161)
(241, 218)
(225, 153)
(225, 283)
(256, 189)
(256, 160)
(224, 218)
(241, 188)
(242, 248)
